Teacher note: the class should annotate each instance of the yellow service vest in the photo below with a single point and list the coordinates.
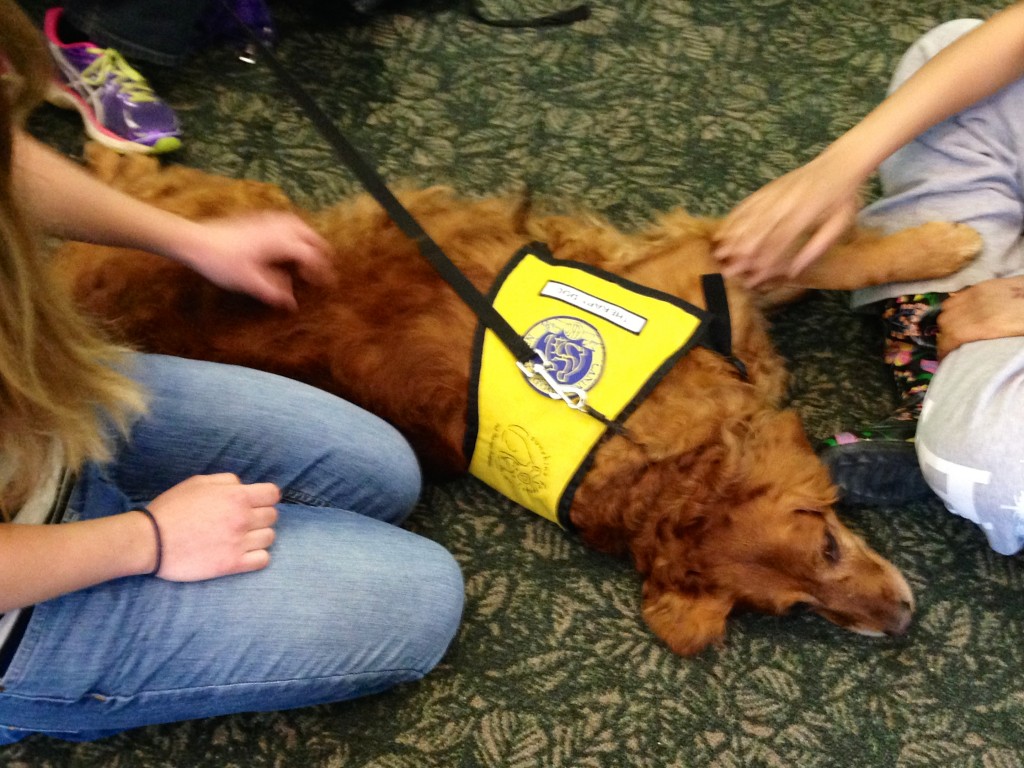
(604, 338)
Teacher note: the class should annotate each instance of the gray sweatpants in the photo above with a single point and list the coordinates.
(970, 168)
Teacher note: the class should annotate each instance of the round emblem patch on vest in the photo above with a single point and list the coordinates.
(574, 349)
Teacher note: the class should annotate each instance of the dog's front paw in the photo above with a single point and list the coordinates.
(948, 246)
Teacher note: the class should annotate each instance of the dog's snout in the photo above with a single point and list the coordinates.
(901, 622)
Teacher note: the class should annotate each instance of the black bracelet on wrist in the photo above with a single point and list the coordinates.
(159, 538)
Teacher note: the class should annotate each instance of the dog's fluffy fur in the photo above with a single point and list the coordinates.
(718, 498)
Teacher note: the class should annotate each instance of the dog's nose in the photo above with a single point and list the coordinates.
(901, 622)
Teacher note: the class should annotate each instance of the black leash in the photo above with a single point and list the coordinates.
(376, 186)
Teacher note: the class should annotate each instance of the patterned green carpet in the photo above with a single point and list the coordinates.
(647, 105)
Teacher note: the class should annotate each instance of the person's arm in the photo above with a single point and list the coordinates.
(993, 309)
(253, 254)
(790, 222)
(210, 526)
(39, 562)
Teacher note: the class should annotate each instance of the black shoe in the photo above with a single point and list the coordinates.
(876, 466)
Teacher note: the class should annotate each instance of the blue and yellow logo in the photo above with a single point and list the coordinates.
(574, 350)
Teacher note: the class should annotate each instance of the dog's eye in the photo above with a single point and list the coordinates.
(831, 551)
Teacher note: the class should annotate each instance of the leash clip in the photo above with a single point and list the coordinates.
(574, 397)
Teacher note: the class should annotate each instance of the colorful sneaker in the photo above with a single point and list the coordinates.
(117, 105)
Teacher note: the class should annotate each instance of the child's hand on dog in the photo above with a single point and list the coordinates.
(259, 254)
(787, 224)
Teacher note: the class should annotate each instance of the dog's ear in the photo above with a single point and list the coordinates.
(687, 622)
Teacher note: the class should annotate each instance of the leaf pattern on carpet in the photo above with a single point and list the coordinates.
(647, 105)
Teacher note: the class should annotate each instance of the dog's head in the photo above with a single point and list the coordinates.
(766, 538)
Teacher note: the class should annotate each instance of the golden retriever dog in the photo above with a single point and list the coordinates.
(713, 491)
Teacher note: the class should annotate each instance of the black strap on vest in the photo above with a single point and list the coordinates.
(717, 302)
(556, 19)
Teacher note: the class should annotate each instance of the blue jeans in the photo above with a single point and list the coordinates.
(350, 604)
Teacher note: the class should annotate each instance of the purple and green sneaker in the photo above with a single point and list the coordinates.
(119, 108)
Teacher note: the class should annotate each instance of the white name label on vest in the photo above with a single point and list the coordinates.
(613, 313)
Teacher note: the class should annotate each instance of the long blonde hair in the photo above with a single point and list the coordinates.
(60, 385)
